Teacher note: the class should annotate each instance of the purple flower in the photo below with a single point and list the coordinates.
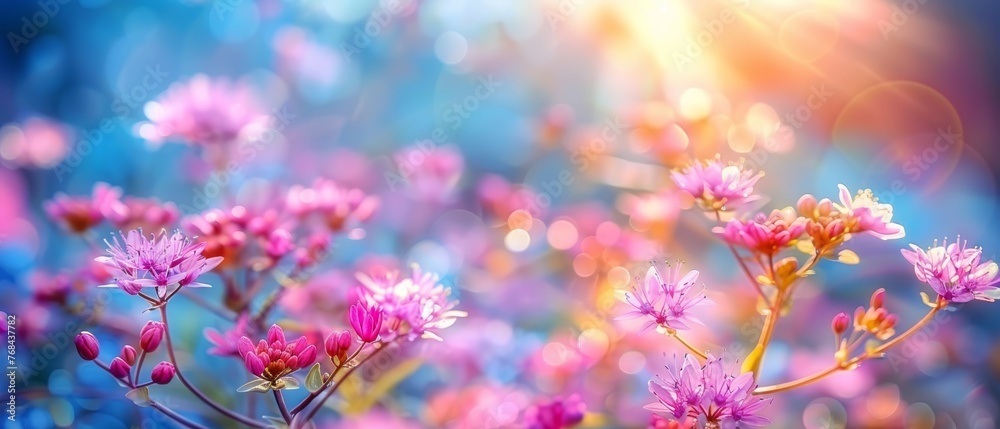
(865, 214)
(86, 345)
(163, 372)
(274, 358)
(558, 414)
(227, 343)
(668, 303)
(412, 307)
(150, 336)
(717, 186)
(119, 368)
(366, 321)
(691, 389)
(163, 261)
(202, 111)
(955, 271)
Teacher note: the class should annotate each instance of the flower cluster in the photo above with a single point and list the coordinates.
(690, 390)
(139, 261)
(556, 414)
(413, 306)
(274, 358)
(339, 207)
(717, 186)
(668, 303)
(830, 224)
(955, 271)
(766, 235)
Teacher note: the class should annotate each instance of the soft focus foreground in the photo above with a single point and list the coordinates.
(542, 215)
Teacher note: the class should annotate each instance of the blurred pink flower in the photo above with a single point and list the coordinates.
(413, 307)
(955, 271)
(54, 288)
(223, 233)
(203, 111)
(227, 343)
(339, 207)
(141, 261)
(864, 213)
(429, 175)
(38, 142)
(557, 414)
(717, 186)
(142, 213)
(78, 214)
(502, 198)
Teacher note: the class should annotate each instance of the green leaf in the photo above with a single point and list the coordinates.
(139, 396)
(258, 385)
(290, 383)
(314, 380)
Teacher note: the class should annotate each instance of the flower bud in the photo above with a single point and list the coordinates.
(367, 322)
(338, 345)
(878, 298)
(129, 355)
(163, 372)
(150, 336)
(840, 323)
(807, 206)
(120, 369)
(87, 345)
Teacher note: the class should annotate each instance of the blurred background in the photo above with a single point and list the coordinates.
(522, 149)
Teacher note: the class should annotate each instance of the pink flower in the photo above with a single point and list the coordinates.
(338, 346)
(37, 142)
(150, 336)
(338, 206)
(79, 214)
(86, 344)
(222, 232)
(203, 111)
(429, 174)
(227, 344)
(668, 303)
(840, 323)
(865, 214)
(274, 358)
(689, 389)
(163, 372)
(119, 368)
(413, 307)
(717, 186)
(766, 235)
(557, 414)
(955, 271)
(142, 213)
(129, 354)
(366, 321)
(156, 262)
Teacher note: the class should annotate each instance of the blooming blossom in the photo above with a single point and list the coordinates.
(274, 358)
(711, 392)
(955, 271)
(764, 234)
(412, 307)
(139, 261)
(557, 414)
(864, 213)
(203, 111)
(717, 186)
(79, 213)
(668, 303)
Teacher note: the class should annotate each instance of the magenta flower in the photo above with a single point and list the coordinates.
(227, 343)
(412, 307)
(163, 372)
(202, 111)
(129, 354)
(78, 214)
(366, 321)
(691, 390)
(955, 271)
(558, 414)
(338, 206)
(273, 359)
(156, 262)
(86, 344)
(150, 336)
(338, 346)
(717, 186)
(865, 214)
(119, 368)
(766, 235)
(668, 303)
(142, 213)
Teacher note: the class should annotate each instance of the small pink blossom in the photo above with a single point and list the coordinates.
(227, 343)
(79, 214)
(764, 234)
(366, 321)
(139, 261)
(338, 206)
(428, 173)
(274, 358)
(717, 186)
(203, 111)
(863, 213)
(413, 307)
(708, 391)
(955, 271)
(668, 303)
(557, 414)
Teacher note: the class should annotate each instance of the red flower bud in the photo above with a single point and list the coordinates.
(87, 345)
(338, 345)
(150, 336)
(878, 298)
(163, 372)
(120, 369)
(129, 355)
(840, 323)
